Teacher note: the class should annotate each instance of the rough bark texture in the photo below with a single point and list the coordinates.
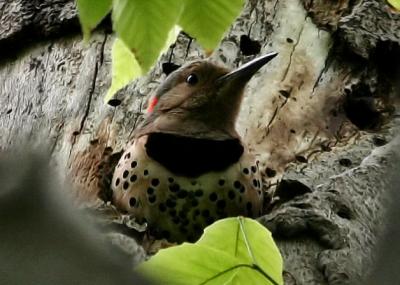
(317, 117)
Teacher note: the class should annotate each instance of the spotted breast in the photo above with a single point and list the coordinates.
(177, 207)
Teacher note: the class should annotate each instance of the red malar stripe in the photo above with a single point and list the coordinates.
(152, 104)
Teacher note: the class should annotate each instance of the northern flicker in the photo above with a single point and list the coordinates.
(187, 165)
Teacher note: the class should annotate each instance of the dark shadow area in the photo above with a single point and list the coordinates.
(288, 189)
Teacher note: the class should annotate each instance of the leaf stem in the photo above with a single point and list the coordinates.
(252, 266)
(259, 269)
(255, 263)
(246, 240)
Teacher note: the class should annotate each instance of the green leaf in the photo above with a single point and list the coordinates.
(91, 12)
(125, 68)
(208, 20)
(231, 251)
(144, 25)
(395, 4)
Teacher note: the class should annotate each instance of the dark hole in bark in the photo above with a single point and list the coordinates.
(249, 46)
(325, 147)
(301, 159)
(387, 58)
(345, 162)
(284, 93)
(360, 104)
(94, 141)
(344, 213)
(108, 149)
(288, 189)
(168, 67)
(114, 102)
(379, 141)
(360, 108)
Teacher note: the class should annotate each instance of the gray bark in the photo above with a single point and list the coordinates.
(300, 115)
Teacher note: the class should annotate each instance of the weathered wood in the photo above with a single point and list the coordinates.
(300, 115)
(23, 22)
(344, 210)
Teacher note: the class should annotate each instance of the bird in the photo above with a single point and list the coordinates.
(186, 165)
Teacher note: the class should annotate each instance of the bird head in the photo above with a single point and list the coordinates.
(200, 100)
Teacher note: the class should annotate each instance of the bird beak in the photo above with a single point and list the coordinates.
(246, 71)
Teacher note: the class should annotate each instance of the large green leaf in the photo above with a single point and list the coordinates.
(208, 20)
(395, 4)
(125, 68)
(231, 251)
(144, 25)
(91, 12)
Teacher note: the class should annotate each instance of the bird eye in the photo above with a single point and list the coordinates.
(192, 79)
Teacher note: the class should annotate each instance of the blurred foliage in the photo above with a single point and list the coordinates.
(147, 27)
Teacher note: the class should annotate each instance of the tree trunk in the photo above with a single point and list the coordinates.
(321, 117)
